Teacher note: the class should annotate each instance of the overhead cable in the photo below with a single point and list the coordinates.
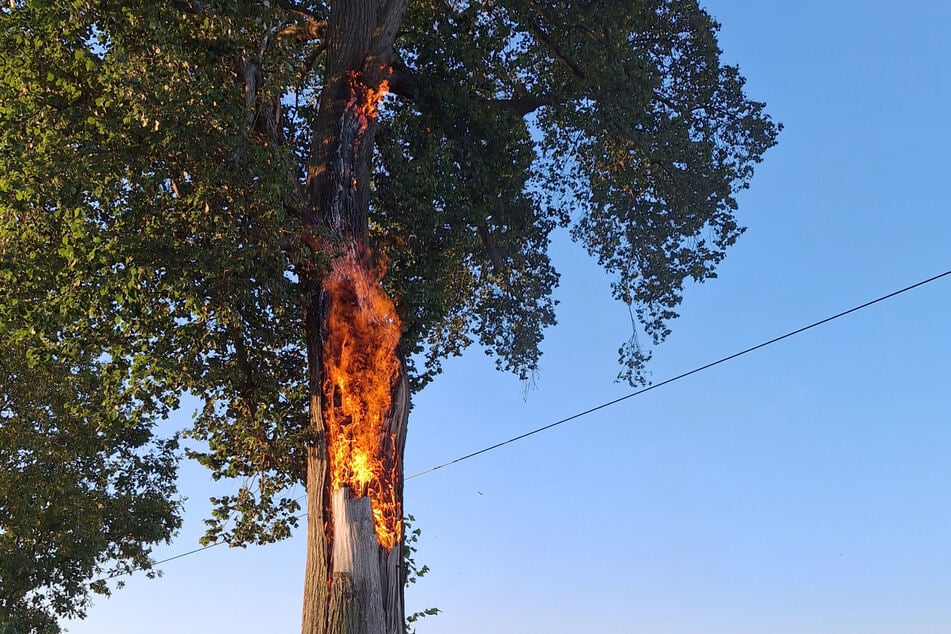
(653, 386)
(684, 375)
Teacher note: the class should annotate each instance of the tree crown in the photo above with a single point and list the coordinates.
(152, 235)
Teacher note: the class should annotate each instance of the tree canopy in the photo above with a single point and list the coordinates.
(153, 231)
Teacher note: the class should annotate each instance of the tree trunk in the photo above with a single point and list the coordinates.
(353, 585)
(354, 571)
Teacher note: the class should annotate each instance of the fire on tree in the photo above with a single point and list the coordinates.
(361, 367)
(212, 198)
(355, 575)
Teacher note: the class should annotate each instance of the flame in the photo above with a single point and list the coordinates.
(360, 369)
(365, 100)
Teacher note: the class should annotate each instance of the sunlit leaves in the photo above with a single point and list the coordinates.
(640, 140)
(151, 159)
(138, 245)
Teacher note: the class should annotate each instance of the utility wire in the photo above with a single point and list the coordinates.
(180, 555)
(591, 410)
(192, 552)
(654, 386)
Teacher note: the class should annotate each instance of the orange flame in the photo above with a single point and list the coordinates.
(364, 99)
(361, 367)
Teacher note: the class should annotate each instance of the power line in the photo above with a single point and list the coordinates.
(591, 410)
(192, 552)
(654, 386)
(180, 555)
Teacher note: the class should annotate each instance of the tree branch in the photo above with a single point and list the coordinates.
(313, 28)
(547, 40)
(290, 7)
(308, 31)
(521, 105)
(404, 83)
(683, 111)
(388, 23)
(446, 8)
(491, 247)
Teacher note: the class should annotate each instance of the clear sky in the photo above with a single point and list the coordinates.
(805, 488)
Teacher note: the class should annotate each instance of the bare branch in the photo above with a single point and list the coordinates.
(559, 54)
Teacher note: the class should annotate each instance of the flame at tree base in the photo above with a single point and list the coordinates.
(361, 367)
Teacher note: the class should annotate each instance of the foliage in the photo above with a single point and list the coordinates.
(85, 489)
(639, 140)
(413, 571)
(115, 295)
(151, 164)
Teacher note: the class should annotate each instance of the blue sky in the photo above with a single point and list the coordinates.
(801, 489)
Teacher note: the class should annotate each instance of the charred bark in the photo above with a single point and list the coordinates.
(353, 584)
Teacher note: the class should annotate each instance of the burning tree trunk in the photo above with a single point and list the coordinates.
(359, 398)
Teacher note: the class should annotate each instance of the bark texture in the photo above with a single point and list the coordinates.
(352, 584)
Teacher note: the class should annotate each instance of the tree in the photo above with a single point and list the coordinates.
(82, 484)
(219, 198)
